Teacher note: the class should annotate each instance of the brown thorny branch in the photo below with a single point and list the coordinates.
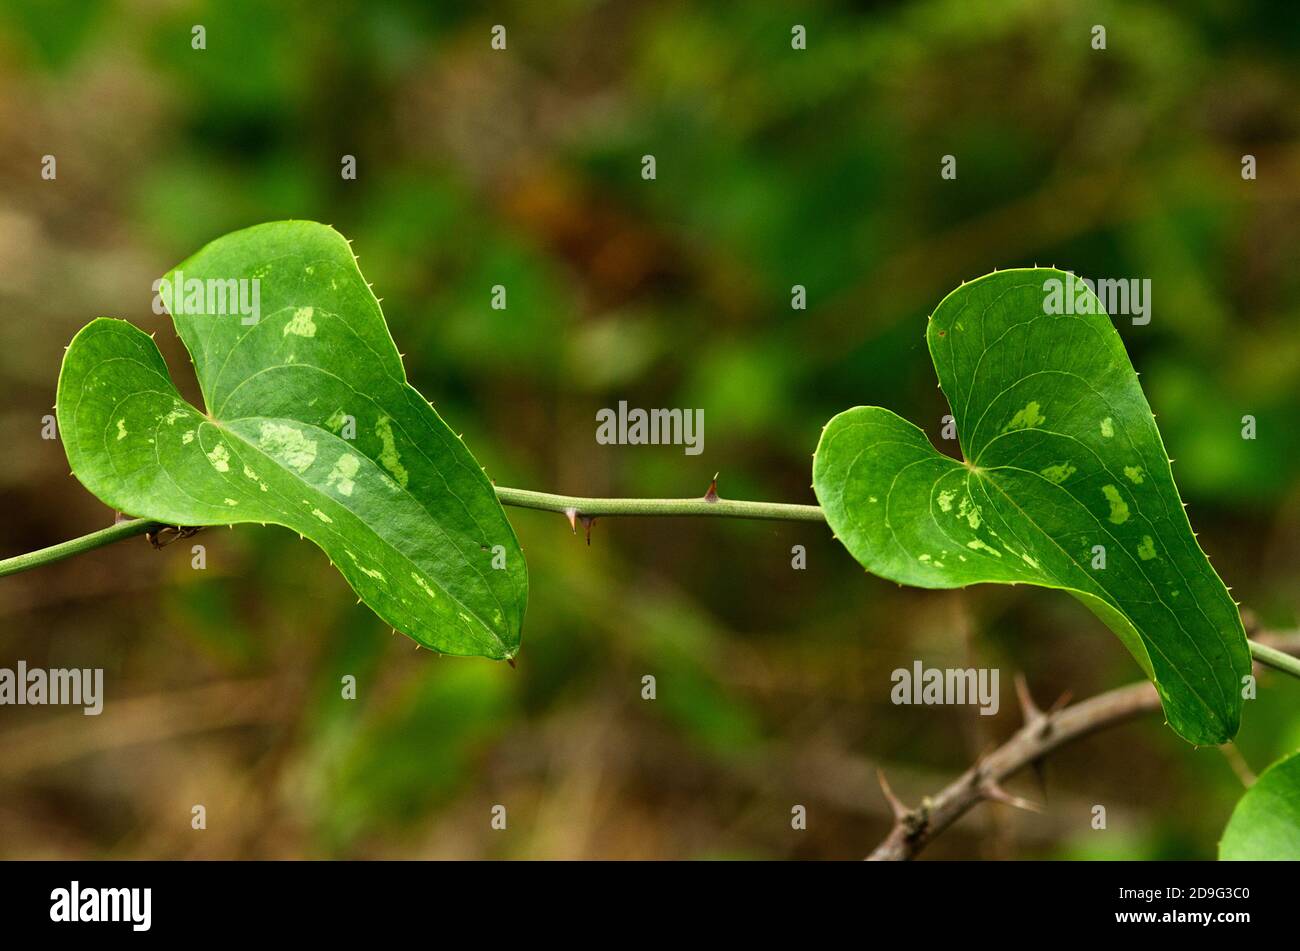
(1043, 732)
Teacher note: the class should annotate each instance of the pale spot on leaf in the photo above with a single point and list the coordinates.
(342, 475)
(220, 457)
(368, 572)
(301, 324)
(287, 444)
(1027, 418)
(388, 456)
(1118, 507)
(1058, 473)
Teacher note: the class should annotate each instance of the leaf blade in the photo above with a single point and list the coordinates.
(1063, 455)
(403, 510)
(1265, 824)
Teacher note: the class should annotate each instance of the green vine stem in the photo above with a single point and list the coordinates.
(1272, 657)
(572, 506)
(75, 546)
(707, 505)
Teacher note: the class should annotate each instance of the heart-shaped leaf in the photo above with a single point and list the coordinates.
(310, 424)
(1266, 823)
(1064, 484)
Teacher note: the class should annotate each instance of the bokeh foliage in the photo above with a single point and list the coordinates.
(521, 168)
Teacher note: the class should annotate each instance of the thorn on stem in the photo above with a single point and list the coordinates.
(991, 790)
(712, 494)
(574, 517)
(896, 806)
(1028, 709)
(1061, 703)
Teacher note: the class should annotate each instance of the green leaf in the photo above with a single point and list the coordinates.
(1266, 823)
(1061, 454)
(401, 507)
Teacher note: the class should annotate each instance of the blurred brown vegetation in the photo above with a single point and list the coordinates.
(522, 167)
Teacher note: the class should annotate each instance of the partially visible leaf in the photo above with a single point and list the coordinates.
(1062, 463)
(400, 506)
(1266, 822)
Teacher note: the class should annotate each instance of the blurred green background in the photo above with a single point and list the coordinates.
(522, 167)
